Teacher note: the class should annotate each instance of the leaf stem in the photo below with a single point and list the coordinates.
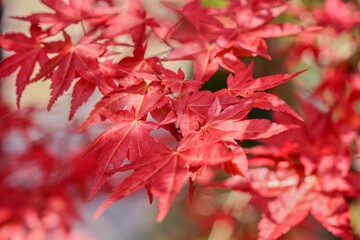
(170, 30)
(83, 27)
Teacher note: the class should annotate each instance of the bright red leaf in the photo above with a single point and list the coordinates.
(128, 138)
(165, 170)
(27, 54)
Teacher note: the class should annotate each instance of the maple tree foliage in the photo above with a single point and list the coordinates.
(168, 129)
(55, 181)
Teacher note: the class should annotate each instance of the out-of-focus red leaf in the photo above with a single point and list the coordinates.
(285, 212)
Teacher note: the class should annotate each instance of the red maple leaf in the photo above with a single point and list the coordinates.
(27, 54)
(324, 174)
(134, 22)
(243, 84)
(165, 170)
(67, 14)
(295, 204)
(207, 58)
(142, 97)
(128, 138)
(71, 62)
(231, 121)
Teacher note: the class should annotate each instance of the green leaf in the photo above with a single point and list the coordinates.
(214, 3)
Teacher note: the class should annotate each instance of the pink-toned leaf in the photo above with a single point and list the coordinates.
(281, 30)
(243, 83)
(333, 213)
(129, 137)
(269, 101)
(192, 111)
(142, 99)
(63, 68)
(164, 170)
(247, 129)
(285, 212)
(81, 93)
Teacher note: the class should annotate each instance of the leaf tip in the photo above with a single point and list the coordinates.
(101, 209)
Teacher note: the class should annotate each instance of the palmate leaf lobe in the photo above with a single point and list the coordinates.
(27, 54)
(164, 170)
(71, 62)
(128, 138)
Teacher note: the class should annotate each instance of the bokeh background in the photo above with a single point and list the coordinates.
(133, 218)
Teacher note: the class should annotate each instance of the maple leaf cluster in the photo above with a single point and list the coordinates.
(167, 129)
(313, 169)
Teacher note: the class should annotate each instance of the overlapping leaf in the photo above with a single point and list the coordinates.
(128, 138)
(70, 62)
(165, 170)
(285, 212)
